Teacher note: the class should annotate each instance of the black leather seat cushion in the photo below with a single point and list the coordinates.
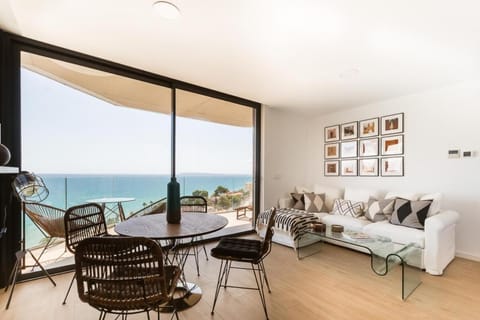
(238, 248)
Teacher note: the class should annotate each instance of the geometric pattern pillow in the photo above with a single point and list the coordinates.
(378, 209)
(315, 202)
(298, 201)
(410, 213)
(347, 208)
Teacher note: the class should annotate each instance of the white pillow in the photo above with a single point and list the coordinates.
(436, 205)
(301, 189)
(362, 195)
(403, 195)
(331, 193)
(348, 208)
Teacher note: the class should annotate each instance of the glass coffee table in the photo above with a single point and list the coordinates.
(384, 254)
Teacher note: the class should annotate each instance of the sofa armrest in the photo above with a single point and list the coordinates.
(440, 241)
(285, 203)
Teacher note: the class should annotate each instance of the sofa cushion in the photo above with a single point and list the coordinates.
(331, 193)
(377, 210)
(347, 208)
(298, 201)
(363, 195)
(349, 223)
(410, 214)
(301, 189)
(314, 202)
(402, 195)
(398, 234)
(436, 205)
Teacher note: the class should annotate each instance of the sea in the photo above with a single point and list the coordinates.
(74, 189)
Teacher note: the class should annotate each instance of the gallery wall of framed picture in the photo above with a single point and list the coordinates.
(368, 148)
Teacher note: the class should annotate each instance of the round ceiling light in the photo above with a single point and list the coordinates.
(166, 9)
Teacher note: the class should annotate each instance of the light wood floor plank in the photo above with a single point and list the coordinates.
(336, 283)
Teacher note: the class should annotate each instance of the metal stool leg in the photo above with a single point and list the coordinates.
(221, 273)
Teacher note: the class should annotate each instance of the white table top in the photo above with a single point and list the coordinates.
(110, 200)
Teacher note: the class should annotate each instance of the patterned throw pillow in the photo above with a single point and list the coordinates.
(315, 202)
(410, 213)
(378, 209)
(298, 201)
(347, 208)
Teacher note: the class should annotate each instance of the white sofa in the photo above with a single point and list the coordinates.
(436, 242)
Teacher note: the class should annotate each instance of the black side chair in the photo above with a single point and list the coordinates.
(124, 275)
(247, 251)
(196, 204)
(82, 222)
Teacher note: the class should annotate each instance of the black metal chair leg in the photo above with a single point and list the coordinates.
(69, 288)
(265, 276)
(42, 268)
(221, 274)
(261, 292)
(195, 254)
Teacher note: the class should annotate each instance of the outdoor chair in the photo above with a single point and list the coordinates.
(82, 222)
(124, 275)
(195, 204)
(49, 220)
(245, 251)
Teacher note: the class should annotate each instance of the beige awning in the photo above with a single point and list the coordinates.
(127, 92)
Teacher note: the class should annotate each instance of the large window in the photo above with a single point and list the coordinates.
(92, 134)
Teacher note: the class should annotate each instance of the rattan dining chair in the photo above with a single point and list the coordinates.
(245, 251)
(196, 204)
(82, 222)
(49, 220)
(124, 275)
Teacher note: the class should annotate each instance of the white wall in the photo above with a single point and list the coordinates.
(435, 122)
(284, 137)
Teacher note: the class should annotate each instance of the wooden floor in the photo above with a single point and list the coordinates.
(336, 283)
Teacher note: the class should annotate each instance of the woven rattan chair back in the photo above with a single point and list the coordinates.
(83, 222)
(118, 274)
(193, 204)
(49, 219)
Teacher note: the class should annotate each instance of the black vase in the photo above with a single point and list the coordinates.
(173, 202)
(4, 155)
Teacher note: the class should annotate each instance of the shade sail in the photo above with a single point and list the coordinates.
(127, 92)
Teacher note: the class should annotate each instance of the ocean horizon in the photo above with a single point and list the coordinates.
(66, 190)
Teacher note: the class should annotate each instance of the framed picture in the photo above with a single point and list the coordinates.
(349, 130)
(392, 145)
(368, 128)
(349, 168)
(349, 149)
(332, 133)
(392, 167)
(332, 151)
(368, 167)
(368, 147)
(331, 168)
(392, 124)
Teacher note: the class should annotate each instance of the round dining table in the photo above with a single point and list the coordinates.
(156, 227)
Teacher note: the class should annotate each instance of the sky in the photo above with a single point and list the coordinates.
(67, 131)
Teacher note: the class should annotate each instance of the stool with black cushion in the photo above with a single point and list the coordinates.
(251, 251)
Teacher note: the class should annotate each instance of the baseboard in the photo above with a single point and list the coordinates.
(467, 256)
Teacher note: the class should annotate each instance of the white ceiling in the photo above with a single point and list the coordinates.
(314, 56)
